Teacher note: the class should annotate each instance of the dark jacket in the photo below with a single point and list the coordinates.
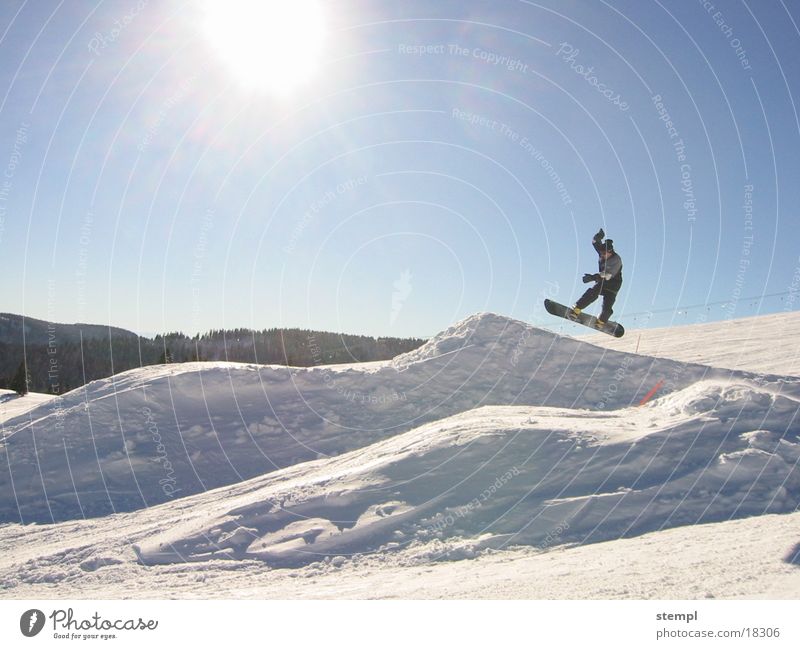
(610, 269)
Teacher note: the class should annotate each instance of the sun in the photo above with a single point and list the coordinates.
(273, 46)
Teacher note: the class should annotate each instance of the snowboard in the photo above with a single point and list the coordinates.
(611, 328)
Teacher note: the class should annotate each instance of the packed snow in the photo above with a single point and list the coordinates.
(13, 405)
(769, 343)
(496, 444)
(755, 557)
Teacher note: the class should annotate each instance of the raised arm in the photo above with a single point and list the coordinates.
(597, 241)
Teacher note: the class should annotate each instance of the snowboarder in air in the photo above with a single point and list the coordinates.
(607, 282)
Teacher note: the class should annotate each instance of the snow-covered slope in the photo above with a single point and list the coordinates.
(767, 343)
(150, 435)
(500, 476)
(476, 484)
(494, 440)
(12, 405)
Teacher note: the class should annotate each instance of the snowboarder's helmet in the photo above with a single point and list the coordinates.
(609, 244)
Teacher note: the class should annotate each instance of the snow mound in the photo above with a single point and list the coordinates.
(499, 476)
(155, 434)
(728, 399)
(482, 331)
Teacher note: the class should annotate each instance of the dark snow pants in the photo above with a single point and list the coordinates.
(592, 294)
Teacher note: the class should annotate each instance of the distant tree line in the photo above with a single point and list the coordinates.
(59, 366)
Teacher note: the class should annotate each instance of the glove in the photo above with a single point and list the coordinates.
(599, 236)
(588, 277)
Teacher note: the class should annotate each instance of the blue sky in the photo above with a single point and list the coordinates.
(445, 158)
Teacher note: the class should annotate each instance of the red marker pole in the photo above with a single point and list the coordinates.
(650, 394)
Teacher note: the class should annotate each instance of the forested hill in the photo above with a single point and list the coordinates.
(14, 329)
(61, 357)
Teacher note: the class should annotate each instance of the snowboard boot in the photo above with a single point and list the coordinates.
(573, 313)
